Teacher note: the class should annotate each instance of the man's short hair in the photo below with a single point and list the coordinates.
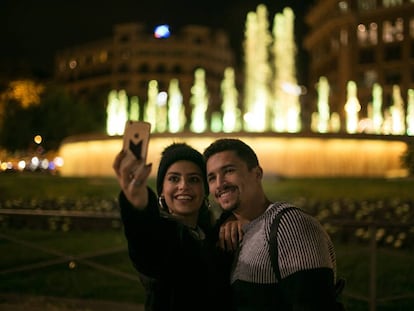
(241, 149)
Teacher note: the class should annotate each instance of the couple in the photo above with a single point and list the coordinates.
(173, 239)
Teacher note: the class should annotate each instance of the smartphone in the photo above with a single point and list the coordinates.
(136, 139)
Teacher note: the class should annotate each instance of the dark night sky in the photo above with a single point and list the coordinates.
(33, 30)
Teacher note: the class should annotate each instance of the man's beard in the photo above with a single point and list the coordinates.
(233, 189)
(234, 207)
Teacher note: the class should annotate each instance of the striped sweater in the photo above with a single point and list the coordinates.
(306, 259)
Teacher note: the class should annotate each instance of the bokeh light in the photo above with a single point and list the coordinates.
(37, 139)
(162, 31)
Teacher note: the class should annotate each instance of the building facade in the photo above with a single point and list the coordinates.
(365, 41)
(133, 56)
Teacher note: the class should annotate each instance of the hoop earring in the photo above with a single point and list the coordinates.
(161, 201)
(207, 203)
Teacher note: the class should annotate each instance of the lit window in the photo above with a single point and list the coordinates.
(393, 31)
(373, 33)
(390, 3)
(399, 29)
(362, 34)
(364, 5)
(367, 35)
(343, 6)
(362, 28)
(73, 64)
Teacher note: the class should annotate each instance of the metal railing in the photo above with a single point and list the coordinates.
(372, 227)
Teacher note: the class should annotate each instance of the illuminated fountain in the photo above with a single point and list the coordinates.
(117, 112)
(377, 117)
(352, 108)
(151, 107)
(397, 112)
(231, 113)
(199, 102)
(176, 110)
(257, 75)
(269, 118)
(410, 112)
(271, 92)
(286, 106)
(321, 119)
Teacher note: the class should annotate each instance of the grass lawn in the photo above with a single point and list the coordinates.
(93, 264)
(393, 277)
(32, 186)
(87, 265)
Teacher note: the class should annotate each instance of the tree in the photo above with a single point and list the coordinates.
(61, 115)
(16, 103)
(56, 116)
(15, 133)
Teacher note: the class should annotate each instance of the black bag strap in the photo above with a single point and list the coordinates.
(274, 253)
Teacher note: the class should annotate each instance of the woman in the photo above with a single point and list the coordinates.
(171, 240)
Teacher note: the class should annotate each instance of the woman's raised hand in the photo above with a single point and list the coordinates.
(132, 176)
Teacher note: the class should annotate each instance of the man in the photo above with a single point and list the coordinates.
(306, 255)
